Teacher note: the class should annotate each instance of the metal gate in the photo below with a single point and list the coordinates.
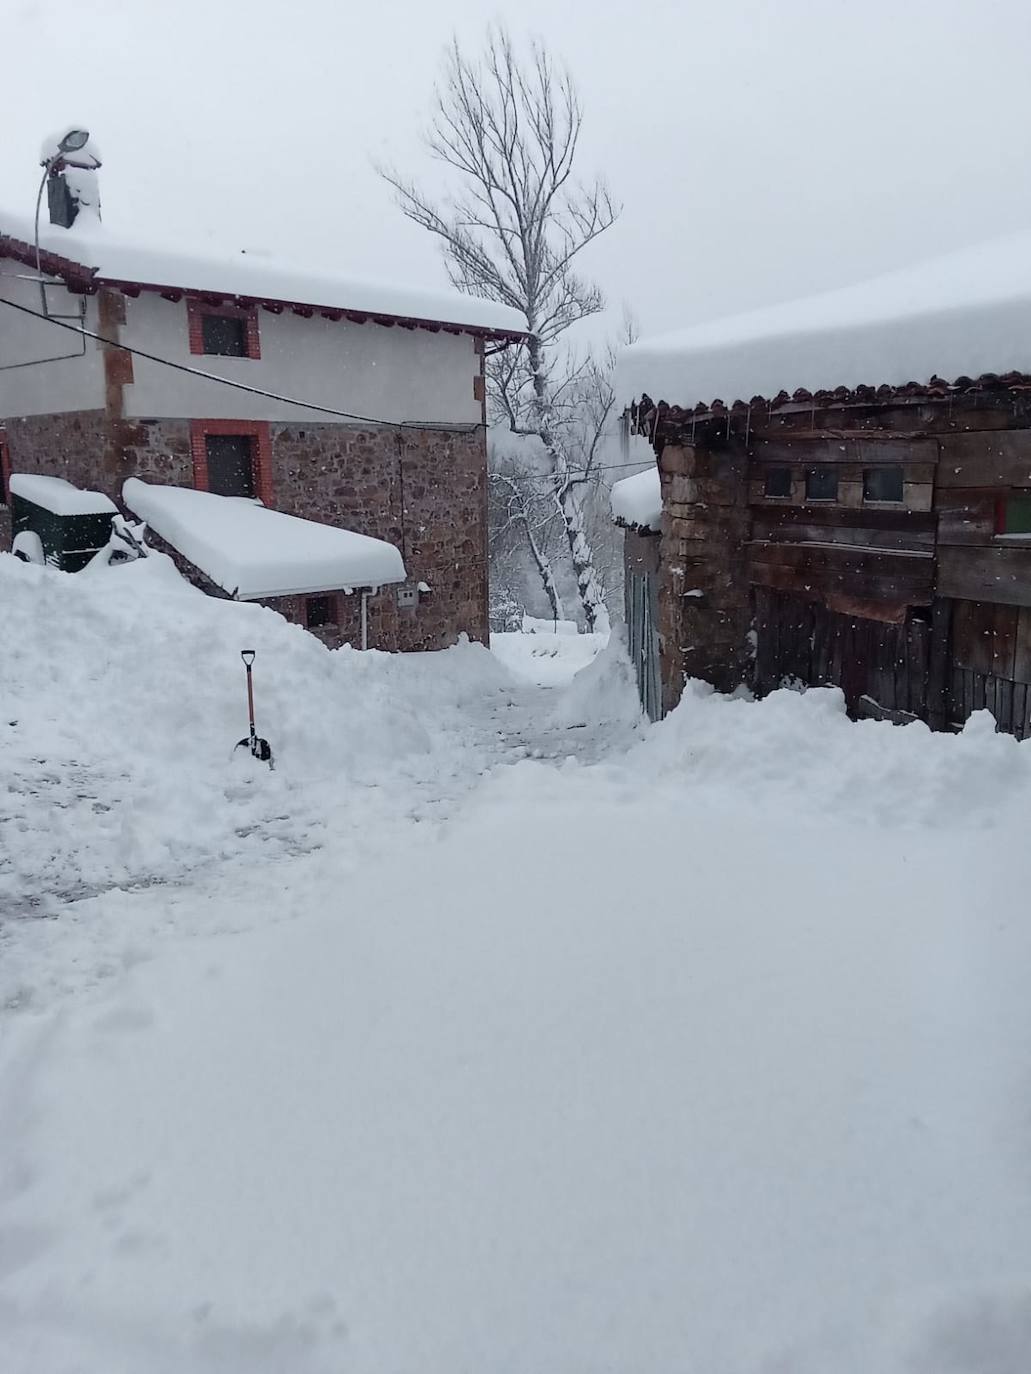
(641, 592)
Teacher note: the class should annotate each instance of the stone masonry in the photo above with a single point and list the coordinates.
(423, 490)
(704, 604)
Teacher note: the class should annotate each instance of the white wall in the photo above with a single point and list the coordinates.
(49, 388)
(382, 373)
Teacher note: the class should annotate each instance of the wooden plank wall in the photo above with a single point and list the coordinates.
(872, 558)
(991, 664)
(976, 469)
(915, 604)
(799, 639)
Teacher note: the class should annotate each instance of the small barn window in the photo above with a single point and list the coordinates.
(230, 464)
(821, 484)
(882, 484)
(225, 336)
(1013, 515)
(319, 611)
(778, 482)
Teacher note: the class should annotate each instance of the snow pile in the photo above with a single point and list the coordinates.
(92, 245)
(604, 1067)
(550, 660)
(802, 746)
(637, 501)
(251, 552)
(734, 1023)
(602, 693)
(58, 496)
(122, 695)
(537, 625)
(960, 315)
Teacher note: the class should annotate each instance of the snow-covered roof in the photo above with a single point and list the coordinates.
(253, 552)
(637, 501)
(90, 246)
(58, 496)
(962, 315)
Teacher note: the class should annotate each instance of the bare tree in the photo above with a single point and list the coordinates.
(523, 515)
(512, 232)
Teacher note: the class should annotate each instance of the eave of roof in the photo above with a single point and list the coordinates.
(648, 412)
(87, 281)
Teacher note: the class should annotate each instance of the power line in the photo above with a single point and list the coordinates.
(257, 390)
(223, 381)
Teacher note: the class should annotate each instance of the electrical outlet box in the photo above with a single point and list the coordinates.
(407, 597)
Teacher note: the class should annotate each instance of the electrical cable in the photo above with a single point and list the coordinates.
(226, 381)
(257, 390)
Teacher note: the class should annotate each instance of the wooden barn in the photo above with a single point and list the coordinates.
(864, 519)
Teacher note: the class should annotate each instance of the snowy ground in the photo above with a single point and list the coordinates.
(550, 660)
(494, 1030)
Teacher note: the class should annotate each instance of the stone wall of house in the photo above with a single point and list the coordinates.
(70, 445)
(423, 490)
(704, 601)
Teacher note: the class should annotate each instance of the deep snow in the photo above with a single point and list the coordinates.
(426, 1056)
(252, 275)
(56, 495)
(253, 552)
(959, 315)
(637, 500)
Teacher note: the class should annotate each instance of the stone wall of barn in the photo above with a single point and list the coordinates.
(705, 612)
(423, 490)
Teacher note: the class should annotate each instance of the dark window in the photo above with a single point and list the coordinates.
(882, 484)
(778, 482)
(821, 484)
(319, 610)
(224, 335)
(1015, 515)
(230, 464)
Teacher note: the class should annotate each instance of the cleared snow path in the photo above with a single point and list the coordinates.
(711, 1055)
(121, 697)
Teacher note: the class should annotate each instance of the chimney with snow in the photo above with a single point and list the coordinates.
(71, 158)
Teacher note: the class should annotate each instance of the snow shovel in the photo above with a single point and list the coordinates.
(259, 747)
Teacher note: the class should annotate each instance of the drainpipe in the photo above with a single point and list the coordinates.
(366, 593)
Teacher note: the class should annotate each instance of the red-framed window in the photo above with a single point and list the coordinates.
(5, 470)
(223, 331)
(232, 457)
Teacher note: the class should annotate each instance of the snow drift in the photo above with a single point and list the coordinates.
(711, 1057)
(637, 501)
(122, 695)
(960, 315)
(251, 551)
(58, 496)
(117, 259)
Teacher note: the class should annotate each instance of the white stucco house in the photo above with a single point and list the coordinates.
(390, 441)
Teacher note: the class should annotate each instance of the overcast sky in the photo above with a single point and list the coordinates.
(761, 148)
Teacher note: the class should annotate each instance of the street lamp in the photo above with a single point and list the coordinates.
(70, 149)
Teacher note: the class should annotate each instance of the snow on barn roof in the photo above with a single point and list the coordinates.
(59, 497)
(637, 501)
(89, 253)
(253, 552)
(963, 315)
